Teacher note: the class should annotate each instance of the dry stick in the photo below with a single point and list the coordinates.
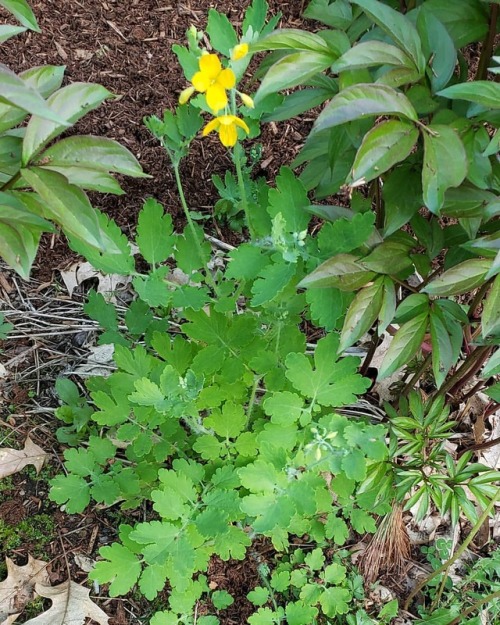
(472, 372)
(370, 354)
(488, 44)
(464, 369)
(416, 376)
(447, 565)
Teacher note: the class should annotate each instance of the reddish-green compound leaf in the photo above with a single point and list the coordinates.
(89, 152)
(291, 39)
(370, 54)
(461, 278)
(411, 306)
(20, 9)
(14, 91)
(438, 48)
(385, 145)
(7, 31)
(442, 349)
(389, 257)
(45, 79)
(490, 321)
(70, 104)
(343, 271)
(364, 100)
(69, 207)
(18, 246)
(445, 164)
(467, 22)
(362, 314)
(492, 367)
(89, 179)
(404, 345)
(292, 70)
(396, 26)
(484, 92)
(388, 308)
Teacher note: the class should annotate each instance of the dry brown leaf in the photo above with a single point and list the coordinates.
(71, 605)
(491, 455)
(17, 589)
(14, 460)
(108, 284)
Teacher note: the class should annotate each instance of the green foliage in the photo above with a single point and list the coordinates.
(405, 126)
(39, 185)
(225, 415)
(242, 413)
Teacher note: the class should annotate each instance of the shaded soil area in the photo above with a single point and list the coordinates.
(125, 45)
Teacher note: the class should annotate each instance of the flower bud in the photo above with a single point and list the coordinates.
(186, 94)
(247, 100)
(239, 51)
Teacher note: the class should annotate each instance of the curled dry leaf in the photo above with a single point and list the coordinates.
(17, 589)
(14, 460)
(71, 605)
(108, 284)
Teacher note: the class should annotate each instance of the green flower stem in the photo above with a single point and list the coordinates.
(253, 394)
(447, 565)
(238, 157)
(190, 221)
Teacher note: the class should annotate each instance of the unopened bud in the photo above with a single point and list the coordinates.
(247, 100)
(239, 51)
(185, 95)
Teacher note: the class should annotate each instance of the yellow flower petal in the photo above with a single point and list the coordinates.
(185, 95)
(239, 122)
(210, 66)
(201, 82)
(216, 97)
(247, 100)
(228, 135)
(213, 125)
(226, 79)
(239, 51)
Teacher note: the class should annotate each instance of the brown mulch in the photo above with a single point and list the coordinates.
(125, 45)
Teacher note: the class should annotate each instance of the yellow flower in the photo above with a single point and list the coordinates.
(226, 126)
(185, 95)
(213, 80)
(239, 51)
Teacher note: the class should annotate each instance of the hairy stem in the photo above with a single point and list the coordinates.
(191, 225)
(238, 157)
(447, 565)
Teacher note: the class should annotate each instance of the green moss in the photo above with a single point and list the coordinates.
(6, 484)
(37, 530)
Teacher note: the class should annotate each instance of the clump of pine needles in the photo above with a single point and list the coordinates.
(389, 548)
